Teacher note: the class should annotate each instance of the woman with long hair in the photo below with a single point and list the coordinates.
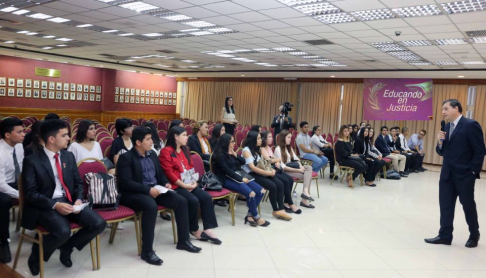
(288, 181)
(265, 178)
(218, 131)
(372, 150)
(198, 141)
(36, 144)
(85, 145)
(287, 155)
(228, 116)
(175, 160)
(226, 165)
(123, 143)
(175, 123)
(353, 133)
(346, 157)
(361, 147)
(158, 144)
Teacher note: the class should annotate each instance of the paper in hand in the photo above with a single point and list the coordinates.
(78, 208)
(162, 189)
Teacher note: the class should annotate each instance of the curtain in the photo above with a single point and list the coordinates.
(254, 102)
(352, 104)
(479, 111)
(319, 104)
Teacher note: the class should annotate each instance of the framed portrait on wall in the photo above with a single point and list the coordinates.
(52, 85)
(43, 94)
(65, 87)
(59, 86)
(85, 97)
(98, 89)
(44, 85)
(3, 81)
(52, 95)
(152, 93)
(28, 83)
(36, 94)
(147, 100)
(73, 87)
(11, 92)
(174, 102)
(137, 100)
(132, 99)
(20, 92)
(170, 95)
(86, 88)
(166, 94)
(142, 93)
(92, 89)
(91, 97)
(142, 100)
(2, 91)
(98, 98)
(79, 87)
(116, 98)
(156, 93)
(127, 91)
(36, 84)
(65, 95)
(58, 95)
(174, 95)
(79, 96)
(11, 82)
(117, 90)
(20, 82)
(137, 92)
(127, 99)
(165, 101)
(156, 101)
(122, 98)
(72, 96)
(28, 93)
(132, 91)
(161, 102)
(152, 101)
(170, 101)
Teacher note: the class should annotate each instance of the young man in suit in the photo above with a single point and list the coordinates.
(383, 143)
(138, 171)
(12, 156)
(51, 186)
(462, 146)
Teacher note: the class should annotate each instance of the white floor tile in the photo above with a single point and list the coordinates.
(299, 258)
(408, 259)
(348, 259)
(370, 274)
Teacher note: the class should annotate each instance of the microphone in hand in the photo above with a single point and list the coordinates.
(442, 128)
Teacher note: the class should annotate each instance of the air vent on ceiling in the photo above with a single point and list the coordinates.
(369, 61)
(106, 55)
(232, 64)
(319, 42)
(11, 21)
(477, 33)
(166, 51)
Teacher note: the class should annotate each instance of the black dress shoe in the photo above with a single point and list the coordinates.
(187, 245)
(403, 175)
(371, 185)
(33, 263)
(220, 203)
(288, 210)
(5, 255)
(438, 240)
(424, 169)
(165, 217)
(151, 258)
(65, 257)
(311, 206)
(303, 196)
(471, 243)
(212, 239)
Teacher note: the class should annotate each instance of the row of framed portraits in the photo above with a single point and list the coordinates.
(143, 93)
(45, 94)
(49, 85)
(144, 100)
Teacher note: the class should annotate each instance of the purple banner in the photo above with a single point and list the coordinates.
(397, 99)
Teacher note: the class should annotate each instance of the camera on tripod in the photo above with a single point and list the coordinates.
(286, 107)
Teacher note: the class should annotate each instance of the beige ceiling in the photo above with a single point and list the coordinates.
(254, 25)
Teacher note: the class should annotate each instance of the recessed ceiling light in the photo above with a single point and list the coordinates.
(188, 61)
(174, 17)
(339, 65)
(445, 63)
(84, 25)
(317, 8)
(58, 20)
(198, 23)
(246, 60)
(126, 34)
(298, 2)
(39, 16)
(106, 1)
(478, 40)
(224, 55)
(138, 6)
(464, 6)
(23, 32)
(388, 46)
(20, 12)
(283, 49)
(64, 39)
(460, 76)
(420, 63)
(49, 37)
(8, 9)
(242, 75)
(201, 33)
(335, 18)
(226, 51)
(189, 30)
(298, 53)
(153, 35)
(450, 41)
(473, 63)
(265, 50)
(243, 50)
(424, 10)
(415, 43)
(369, 15)
(302, 65)
(220, 30)
(319, 65)
(110, 31)
(31, 33)
(47, 47)
(9, 42)
(61, 45)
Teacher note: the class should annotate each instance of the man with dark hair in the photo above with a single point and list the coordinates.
(416, 143)
(51, 116)
(462, 146)
(281, 122)
(28, 136)
(52, 187)
(11, 158)
(385, 145)
(303, 142)
(416, 157)
(139, 172)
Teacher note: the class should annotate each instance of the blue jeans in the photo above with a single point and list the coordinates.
(318, 161)
(245, 189)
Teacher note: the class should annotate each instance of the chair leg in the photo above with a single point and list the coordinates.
(295, 186)
(317, 186)
(174, 233)
(13, 214)
(137, 233)
(19, 221)
(361, 179)
(384, 172)
(259, 210)
(41, 254)
(98, 252)
(17, 255)
(232, 207)
(114, 227)
(93, 259)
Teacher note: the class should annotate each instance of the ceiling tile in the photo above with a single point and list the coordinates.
(282, 13)
(226, 7)
(358, 5)
(197, 12)
(352, 26)
(250, 17)
(271, 24)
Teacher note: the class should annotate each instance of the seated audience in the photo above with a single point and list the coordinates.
(394, 149)
(353, 133)
(36, 143)
(303, 142)
(346, 157)
(176, 123)
(373, 152)
(29, 136)
(12, 156)
(383, 143)
(218, 131)
(416, 143)
(256, 128)
(286, 154)
(319, 144)
(50, 191)
(398, 148)
(288, 181)
(122, 143)
(417, 158)
(226, 166)
(139, 171)
(198, 141)
(361, 147)
(85, 145)
(176, 161)
(158, 143)
(265, 178)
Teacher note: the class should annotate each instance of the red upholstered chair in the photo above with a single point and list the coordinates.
(18, 216)
(239, 137)
(105, 144)
(110, 126)
(223, 194)
(103, 135)
(188, 130)
(135, 123)
(162, 125)
(329, 138)
(245, 132)
(162, 135)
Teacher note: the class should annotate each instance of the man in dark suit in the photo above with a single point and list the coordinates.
(138, 171)
(281, 122)
(51, 186)
(462, 146)
(384, 144)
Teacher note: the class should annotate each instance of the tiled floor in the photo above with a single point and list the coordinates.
(361, 232)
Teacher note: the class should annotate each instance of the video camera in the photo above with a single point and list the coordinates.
(286, 107)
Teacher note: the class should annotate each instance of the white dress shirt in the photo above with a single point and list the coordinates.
(403, 142)
(59, 191)
(7, 167)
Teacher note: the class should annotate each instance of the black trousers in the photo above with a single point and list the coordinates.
(148, 206)
(287, 181)
(196, 199)
(275, 189)
(449, 190)
(5, 205)
(60, 233)
(354, 163)
(410, 159)
(329, 153)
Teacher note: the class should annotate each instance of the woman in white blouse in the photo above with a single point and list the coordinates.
(228, 116)
(285, 152)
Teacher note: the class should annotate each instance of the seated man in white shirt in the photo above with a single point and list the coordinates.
(12, 156)
(417, 158)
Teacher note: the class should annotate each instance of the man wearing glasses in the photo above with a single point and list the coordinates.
(416, 144)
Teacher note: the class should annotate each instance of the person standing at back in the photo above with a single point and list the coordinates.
(228, 116)
(462, 146)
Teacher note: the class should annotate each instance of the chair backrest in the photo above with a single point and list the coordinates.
(239, 137)
(296, 148)
(198, 163)
(106, 153)
(162, 126)
(102, 136)
(162, 134)
(245, 132)
(135, 123)
(90, 165)
(329, 138)
(188, 130)
(335, 138)
(105, 144)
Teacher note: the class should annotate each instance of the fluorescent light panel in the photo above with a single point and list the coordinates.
(445, 63)
(138, 6)
(39, 16)
(110, 31)
(84, 25)
(478, 40)
(198, 23)
(8, 9)
(415, 43)
(473, 63)
(174, 17)
(464, 6)
(450, 41)
(318, 8)
(153, 35)
(335, 18)
(298, 2)
(201, 33)
(58, 20)
(423, 10)
(369, 15)
(21, 12)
